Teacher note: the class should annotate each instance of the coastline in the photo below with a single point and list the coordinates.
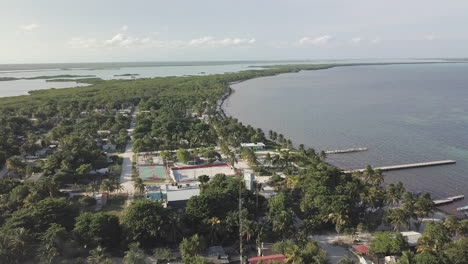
(437, 192)
(329, 66)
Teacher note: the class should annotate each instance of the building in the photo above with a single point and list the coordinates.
(109, 147)
(173, 195)
(268, 259)
(249, 179)
(177, 195)
(254, 146)
(103, 132)
(412, 238)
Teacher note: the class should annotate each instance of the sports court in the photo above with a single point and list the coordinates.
(152, 172)
(191, 173)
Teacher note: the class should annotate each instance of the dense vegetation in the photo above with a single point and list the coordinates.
(71, 126)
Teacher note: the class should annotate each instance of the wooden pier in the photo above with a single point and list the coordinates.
(449, 200)
(408, 166)
(340, 151)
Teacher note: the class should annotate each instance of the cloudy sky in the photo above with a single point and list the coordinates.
(169, 30)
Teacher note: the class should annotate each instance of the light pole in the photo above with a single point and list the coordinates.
(240, 220)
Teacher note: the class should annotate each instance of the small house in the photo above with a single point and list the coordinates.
(254, 146)
(268, 259)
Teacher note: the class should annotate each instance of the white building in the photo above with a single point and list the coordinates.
(254, 146)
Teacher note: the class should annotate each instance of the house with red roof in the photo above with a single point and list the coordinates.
(268, 259)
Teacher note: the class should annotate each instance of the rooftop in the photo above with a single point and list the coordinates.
(412, 237)
(361, 249)
(247, 145)
(182, 193)
(268, 259)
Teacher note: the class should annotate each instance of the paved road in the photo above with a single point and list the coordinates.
(126, 173)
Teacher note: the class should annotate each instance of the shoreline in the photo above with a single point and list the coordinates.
(228, 93)
(223, 110)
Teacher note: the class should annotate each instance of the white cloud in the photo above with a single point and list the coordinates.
(200, 41)
(212, 42)
(29, 28)
(123, 40)
(321, 40)
(124, 28)
(356, 40)
(376, 40)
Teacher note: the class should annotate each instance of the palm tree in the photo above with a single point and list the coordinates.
(117, 185)
(267, 160)
(139, 185)
(270, 134)
(398, 218)
(93, 187)
(407, 257)
(134, 255)
(16, 164)
(107, 186)
(215, 229)
(302, 148)
(452, 224)
(377, 177)
(98, 256)
(249, 156)
(258, 188)
(274, 136)
(424, 205)
(12, 245)
(232, 159)
(280, 138)
(293, 255)
(323, 155)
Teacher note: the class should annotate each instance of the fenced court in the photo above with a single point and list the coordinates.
(191, 173)
(152, 172)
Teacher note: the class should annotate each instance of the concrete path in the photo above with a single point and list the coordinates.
(126, 173)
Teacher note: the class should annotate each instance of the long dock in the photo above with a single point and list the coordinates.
(408, 166)
(449, 200)
(340, 151)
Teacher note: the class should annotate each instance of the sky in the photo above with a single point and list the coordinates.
(174, 30)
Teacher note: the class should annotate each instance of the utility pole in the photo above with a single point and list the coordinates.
(240, 221)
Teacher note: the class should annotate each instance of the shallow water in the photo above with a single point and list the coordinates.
(402, 113)
(108, 71)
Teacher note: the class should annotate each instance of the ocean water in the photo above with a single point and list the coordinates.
(109, 70)
(105, 71)
(401, 113)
